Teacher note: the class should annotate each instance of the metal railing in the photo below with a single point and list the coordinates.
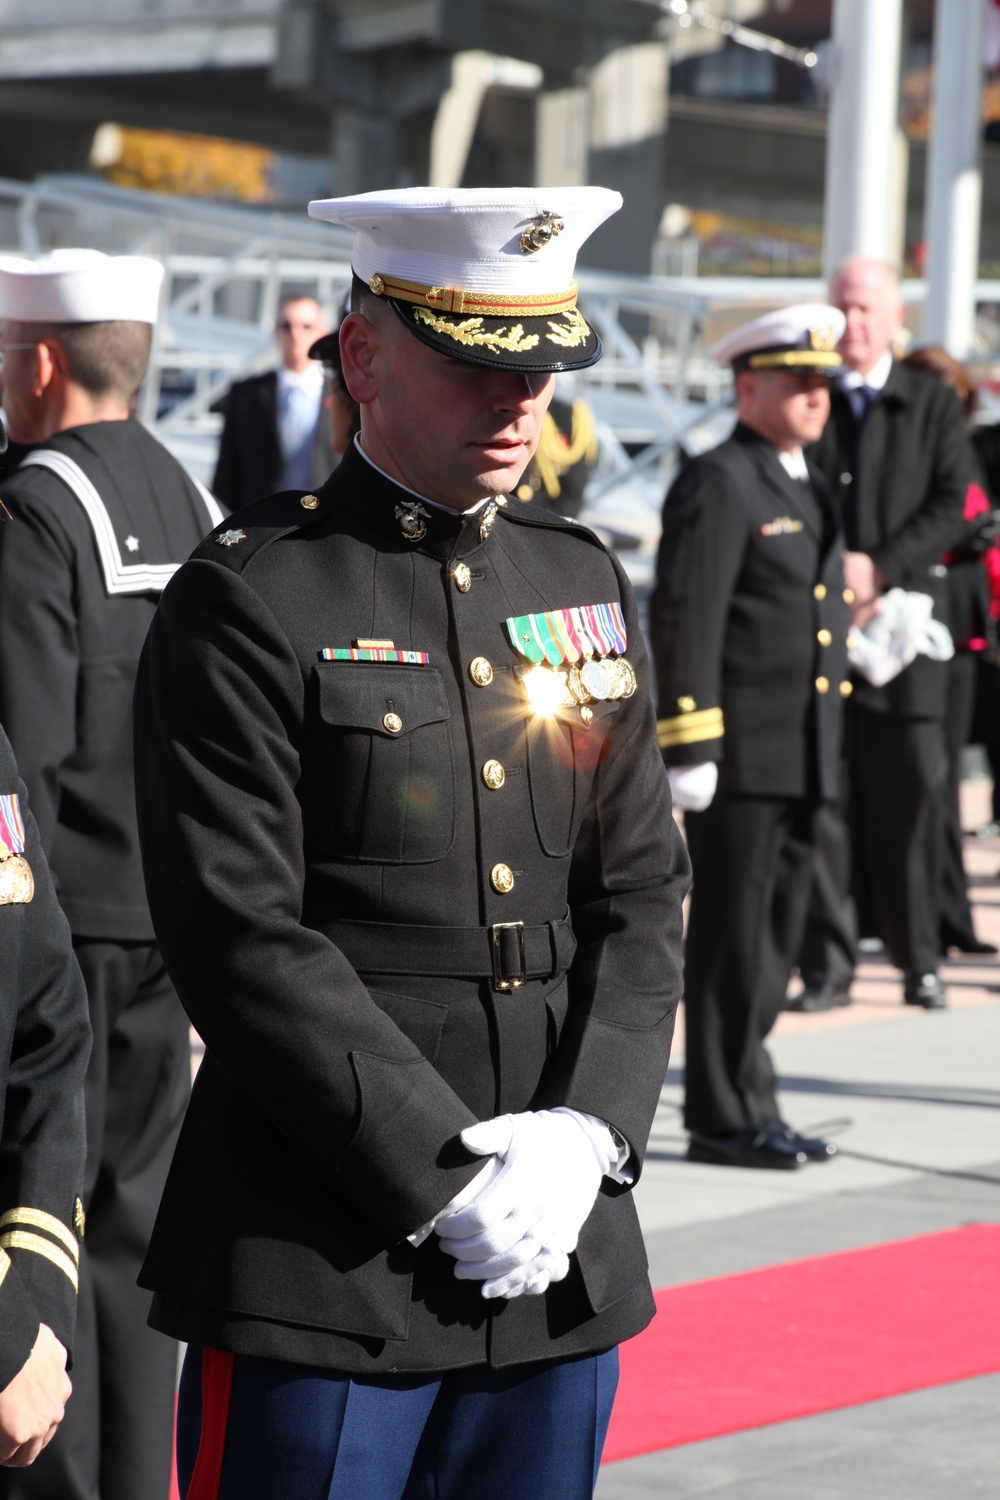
(227, 267)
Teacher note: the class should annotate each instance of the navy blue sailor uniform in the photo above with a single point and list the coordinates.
(749, 625)
(44, 1044)
(95, 521)
(395, 901)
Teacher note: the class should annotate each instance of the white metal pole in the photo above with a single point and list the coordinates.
(864, 100)
(954, 181)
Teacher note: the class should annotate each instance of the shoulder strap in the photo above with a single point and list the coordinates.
(119, 577)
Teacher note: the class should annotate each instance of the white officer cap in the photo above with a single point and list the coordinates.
(482, 274)
(80, 286)
(802, 338)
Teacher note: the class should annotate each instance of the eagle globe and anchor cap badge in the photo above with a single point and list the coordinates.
(483, 275)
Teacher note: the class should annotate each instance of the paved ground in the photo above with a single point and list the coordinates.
(913, 1100)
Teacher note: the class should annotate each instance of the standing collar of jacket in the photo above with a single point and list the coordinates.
(374, 498)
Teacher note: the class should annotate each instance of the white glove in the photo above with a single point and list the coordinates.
(902, 630)
(553, 1162)
(693, 787)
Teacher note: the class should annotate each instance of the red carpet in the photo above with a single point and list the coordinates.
(788, 1341)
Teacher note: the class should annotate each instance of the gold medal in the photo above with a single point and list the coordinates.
(17, 884)
(576, 687)
(596, 677)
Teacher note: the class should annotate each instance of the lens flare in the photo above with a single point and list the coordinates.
(546, 690)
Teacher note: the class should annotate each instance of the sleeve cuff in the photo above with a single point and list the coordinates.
(690, 728)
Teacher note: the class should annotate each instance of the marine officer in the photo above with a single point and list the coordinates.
(408, 846)
(749, 622)
(94, 521)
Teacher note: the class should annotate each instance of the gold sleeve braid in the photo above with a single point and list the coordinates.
(690, 728)
(554, 457)
(65, 1254)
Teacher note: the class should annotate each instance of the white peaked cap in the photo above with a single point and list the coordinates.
(803, 336)
(80, 286)
(469, 238)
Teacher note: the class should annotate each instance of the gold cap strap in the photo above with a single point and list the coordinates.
(479, 304)
(790, 358)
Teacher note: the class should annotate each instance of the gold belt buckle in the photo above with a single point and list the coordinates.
(500, 982)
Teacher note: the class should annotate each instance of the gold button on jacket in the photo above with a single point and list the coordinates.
(463, 577)
(822, 685)
(480, 671)
(393, 723)
(502, 879)
(494, 775)
(824, 637)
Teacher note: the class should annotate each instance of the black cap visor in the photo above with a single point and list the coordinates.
(546, 345)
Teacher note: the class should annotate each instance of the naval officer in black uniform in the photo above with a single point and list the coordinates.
(94, 521)
(44, 1045)
(408, 847)
(749, 625)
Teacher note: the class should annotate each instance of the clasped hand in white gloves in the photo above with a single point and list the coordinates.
(693, 787)
(516, 1235)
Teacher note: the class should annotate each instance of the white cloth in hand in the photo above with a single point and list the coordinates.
(902, 630)
(693, 787)
(553, 1162)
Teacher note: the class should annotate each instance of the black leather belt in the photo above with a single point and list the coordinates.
(508, 953)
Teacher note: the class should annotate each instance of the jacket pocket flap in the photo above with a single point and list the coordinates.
(382, 698)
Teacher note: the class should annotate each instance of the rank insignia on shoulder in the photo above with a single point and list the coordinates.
(781, 526)
(371, 652)
(17, 884)
(230, 538)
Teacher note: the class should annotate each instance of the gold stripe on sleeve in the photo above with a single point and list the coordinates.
(4, 1266)
(20, 1239)
(37, 1218)
(690, 729)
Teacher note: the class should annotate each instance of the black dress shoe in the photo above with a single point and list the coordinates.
(925, 990)
(814, 1147)
(970, 944)
(824, 996)
(747, 1148)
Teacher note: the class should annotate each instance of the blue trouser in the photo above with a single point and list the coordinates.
(293, 1432)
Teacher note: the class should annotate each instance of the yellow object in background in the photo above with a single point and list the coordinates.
(191, 166)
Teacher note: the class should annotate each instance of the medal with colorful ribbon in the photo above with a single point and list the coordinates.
(578, 655)
(17, 884)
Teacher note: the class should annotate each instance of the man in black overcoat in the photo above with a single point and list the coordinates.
(895, 453)
(93, 522)
(408, 847)
(276, 426)
(748, 623)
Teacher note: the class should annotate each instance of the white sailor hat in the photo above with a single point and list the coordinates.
(484, 275)
(802, 338)
(80, 286)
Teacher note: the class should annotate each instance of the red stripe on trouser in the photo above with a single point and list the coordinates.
(216, 1385)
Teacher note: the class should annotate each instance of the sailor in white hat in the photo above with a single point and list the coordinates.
(749, 623)
(92, 524)
(431, 936)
